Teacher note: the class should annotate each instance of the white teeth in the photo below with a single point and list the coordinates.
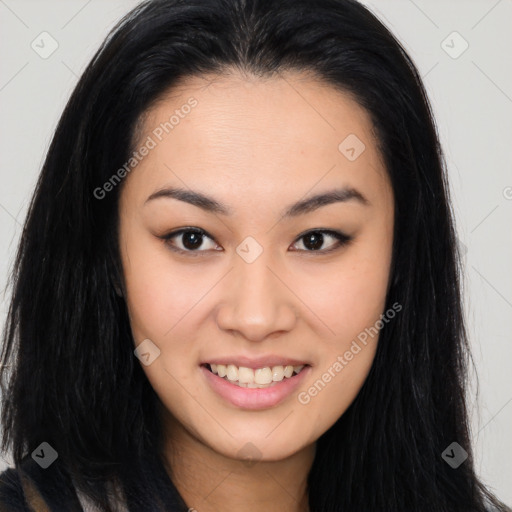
(259, 378)
(263, 376)
(246, 375)
(232, 372)
(277, 373)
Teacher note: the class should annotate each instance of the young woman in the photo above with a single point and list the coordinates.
(237, 287)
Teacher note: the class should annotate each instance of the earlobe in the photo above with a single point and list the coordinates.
(118, 290)
(117, 287)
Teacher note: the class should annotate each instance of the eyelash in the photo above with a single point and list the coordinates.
(342, 240)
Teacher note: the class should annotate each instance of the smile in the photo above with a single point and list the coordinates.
(253, 389)
(254, 378)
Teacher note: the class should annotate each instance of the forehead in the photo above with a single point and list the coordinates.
(234, 133)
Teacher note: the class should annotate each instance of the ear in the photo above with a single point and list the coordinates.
(118, 290)
(116, 283)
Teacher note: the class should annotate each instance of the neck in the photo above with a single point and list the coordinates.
(209, 481)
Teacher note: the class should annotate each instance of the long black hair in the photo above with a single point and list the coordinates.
(70, 377)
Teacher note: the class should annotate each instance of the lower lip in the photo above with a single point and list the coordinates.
(254, 398)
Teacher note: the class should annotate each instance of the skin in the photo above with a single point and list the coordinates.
(256, 145)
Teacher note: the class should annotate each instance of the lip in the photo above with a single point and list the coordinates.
(254, 398)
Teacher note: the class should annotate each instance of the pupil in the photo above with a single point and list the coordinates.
(191, 240)
(316, 240)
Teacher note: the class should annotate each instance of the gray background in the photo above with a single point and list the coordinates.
(471, 92)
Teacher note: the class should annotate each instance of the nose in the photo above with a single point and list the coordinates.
(258, 301)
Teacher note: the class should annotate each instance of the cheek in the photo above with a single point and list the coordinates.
(351, 297)
(159, 301)
(158, 297)
(351, 304)
(335, 386)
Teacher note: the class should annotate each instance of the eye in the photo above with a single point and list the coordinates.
(314, 240)
(191, 241)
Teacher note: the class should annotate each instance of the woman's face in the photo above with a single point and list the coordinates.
(255, 281)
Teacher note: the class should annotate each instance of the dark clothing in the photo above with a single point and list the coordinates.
(30, 488)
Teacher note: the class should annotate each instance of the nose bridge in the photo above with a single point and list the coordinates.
(255, 281)
(257, 289)
(258, 303)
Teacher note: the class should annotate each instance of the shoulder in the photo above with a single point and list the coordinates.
(12, 494)
(28, 488)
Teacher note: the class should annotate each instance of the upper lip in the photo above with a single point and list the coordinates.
(256, 362)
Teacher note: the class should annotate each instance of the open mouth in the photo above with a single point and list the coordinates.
(259, 378)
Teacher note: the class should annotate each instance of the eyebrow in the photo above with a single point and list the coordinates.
(209, 204)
